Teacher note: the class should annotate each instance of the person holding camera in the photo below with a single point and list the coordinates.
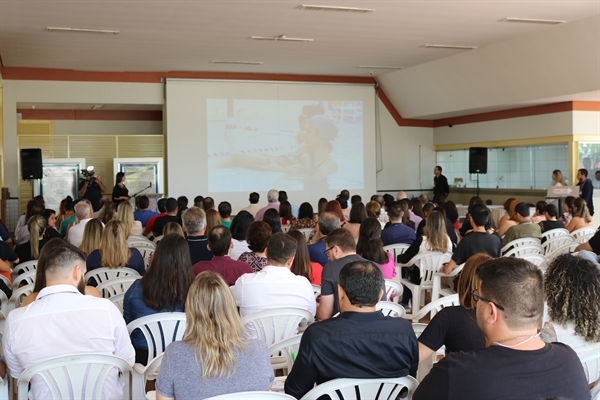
(120, 192)
(91, 188)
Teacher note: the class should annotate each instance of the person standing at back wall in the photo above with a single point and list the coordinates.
(440, 182)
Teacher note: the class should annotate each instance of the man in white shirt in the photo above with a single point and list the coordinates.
(253, 208)
(83, 212)
(275, 286)
(62, 321)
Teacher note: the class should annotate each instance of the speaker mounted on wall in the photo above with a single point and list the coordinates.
(31, 164)
(478, 160)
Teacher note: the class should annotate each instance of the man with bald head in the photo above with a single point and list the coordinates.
(62, 321)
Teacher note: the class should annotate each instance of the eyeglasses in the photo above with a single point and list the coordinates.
(328, 250)
(478, 297)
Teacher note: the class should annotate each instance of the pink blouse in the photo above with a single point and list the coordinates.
(389, 269)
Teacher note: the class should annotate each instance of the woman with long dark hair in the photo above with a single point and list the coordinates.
(302, 265)
(306, 218)
(358, 214)
(272, 218)
(370, 247)
(162, 289)
(239, 227)
(285, 213)
(120, 192)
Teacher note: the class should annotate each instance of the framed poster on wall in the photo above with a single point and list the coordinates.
(60, 178)
(143, 175)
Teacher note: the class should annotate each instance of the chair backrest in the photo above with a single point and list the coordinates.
(520, 242)
(591, 365)
(393, 290)
(147, 253)
(390, 309)
(118, 300)
(140, 241)
(383, 388)
(418, 327)
(253, 396)
(555, 242)
(159, 330)
(306, 232)
(3, 305)
(157, 239)
(75, 377)
(113, 287)
(554, 233)
(25, 267)
(316, 290)
(396, 249)
(286, 349)
(565, 249)
(583, 231)
(6, 281)
(536, 259)
(19, 296)
(104, 274)
(430, 262)
(522, 250)
(584, 238)
(276, 324)
(25, 279)
(437, 305)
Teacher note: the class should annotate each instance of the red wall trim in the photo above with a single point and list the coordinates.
(586, 106)
(98, 115)
(422, 123)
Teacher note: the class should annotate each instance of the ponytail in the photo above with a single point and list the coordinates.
(36, 225)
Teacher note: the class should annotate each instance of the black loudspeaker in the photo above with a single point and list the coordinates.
(478, 160)
(31, 163)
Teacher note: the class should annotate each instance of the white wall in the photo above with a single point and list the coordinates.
(89, 127)
(586, 123)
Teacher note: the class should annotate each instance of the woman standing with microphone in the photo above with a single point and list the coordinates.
(120, 192)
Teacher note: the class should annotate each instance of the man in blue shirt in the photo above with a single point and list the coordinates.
(328, 222)
(143, 212)
(397, 232)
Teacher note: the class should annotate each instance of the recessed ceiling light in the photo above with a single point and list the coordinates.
(333, 8)
(378, 67)
(533, 21)
(97, 107)
(280, 38)
(447, 46)
(82, 30)
(237, 62)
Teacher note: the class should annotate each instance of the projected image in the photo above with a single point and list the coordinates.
(256, 145)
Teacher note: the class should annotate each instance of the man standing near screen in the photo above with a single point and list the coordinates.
(586, 189)
(440, 182)
(91, 188)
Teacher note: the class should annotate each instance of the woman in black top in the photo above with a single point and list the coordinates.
(120, 192)
(51, 231)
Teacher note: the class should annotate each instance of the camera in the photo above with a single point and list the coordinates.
(88, 175)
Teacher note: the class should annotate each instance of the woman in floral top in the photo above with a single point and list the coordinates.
(305, 218)
(257, 237)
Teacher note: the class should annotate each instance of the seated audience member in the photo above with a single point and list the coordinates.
(92, 236)
(253, 207)
(401, 195)
(208, 204)
(567, 214)
(397, 232)
(478, 241)
(214, 357)
(30, 250)
(143, 212)
(194, 226)
(571, 287)
(423, 199)
(305, 218)
(427, 209)
(272, 218)
(274, 285)
(40, 272)
(328, 222)
(321, 205)
(416, 212)
(373, 210)
(525, 229)
(239, 228)
(285, 213)
(466, 225)
(273, 203)
(225, 213)
(551, 221)
(22, 231)
(182, 205)
(581, 216)
(370, 247)
(506, 206)
(357, 215)
(517, 364)
(161, 205)
(114, 252)
(506, 223)
(344, 206)
(540, 212)
(6, 257)
(107, 212)
(355, 199)
(335, 207)
(302, 265)
(51, 231)
(456, 327)
(125, 214)
(257, 237)
(170, 216)
(83, 212)
(590, 249)
(212, 219)
(198, 200)
(284, 197)
(71, 322)
(451, 213)
(360, 342)
(340, 250)
(67, 215)
(162, 289)
(219, 243)
(172, 227)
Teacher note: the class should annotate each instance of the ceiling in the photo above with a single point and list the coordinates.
(84, 106)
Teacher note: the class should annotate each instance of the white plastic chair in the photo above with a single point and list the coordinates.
(19, 296)
(113, 287)
(281, 353)
(435, 306)
(383, 388)
(591, 365)
(118, 300)
(104, 274)
(522, 250)
(316, 290)
(4, 393)
(139, 241)
(552, 233)
(393, 290)
(519, 243)
(536, 259)
(253, 396)
(429, 263)
(555, 242)
(4, 309)
(307, 232)
(566, 249)
(584, 238)
(25, 279)
(24, 267)
(418, 327)
(159, 330)
(396, 249)
(157, 239)
(6, 281)
(425, 365)
(141, 375)
(439, 289)
(390, 309)
(583, 232)
(147, 253)
(276, 324)
(75, 377)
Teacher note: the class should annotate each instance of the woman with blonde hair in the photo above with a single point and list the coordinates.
(456, 327)
(92, 236)
(107, 213)
(173, 227)
(114, 251)
(212, 219)
(213, 358)
(30, 250)
(557, 178)
(125, 214)
(511, 221)
(581, 216)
